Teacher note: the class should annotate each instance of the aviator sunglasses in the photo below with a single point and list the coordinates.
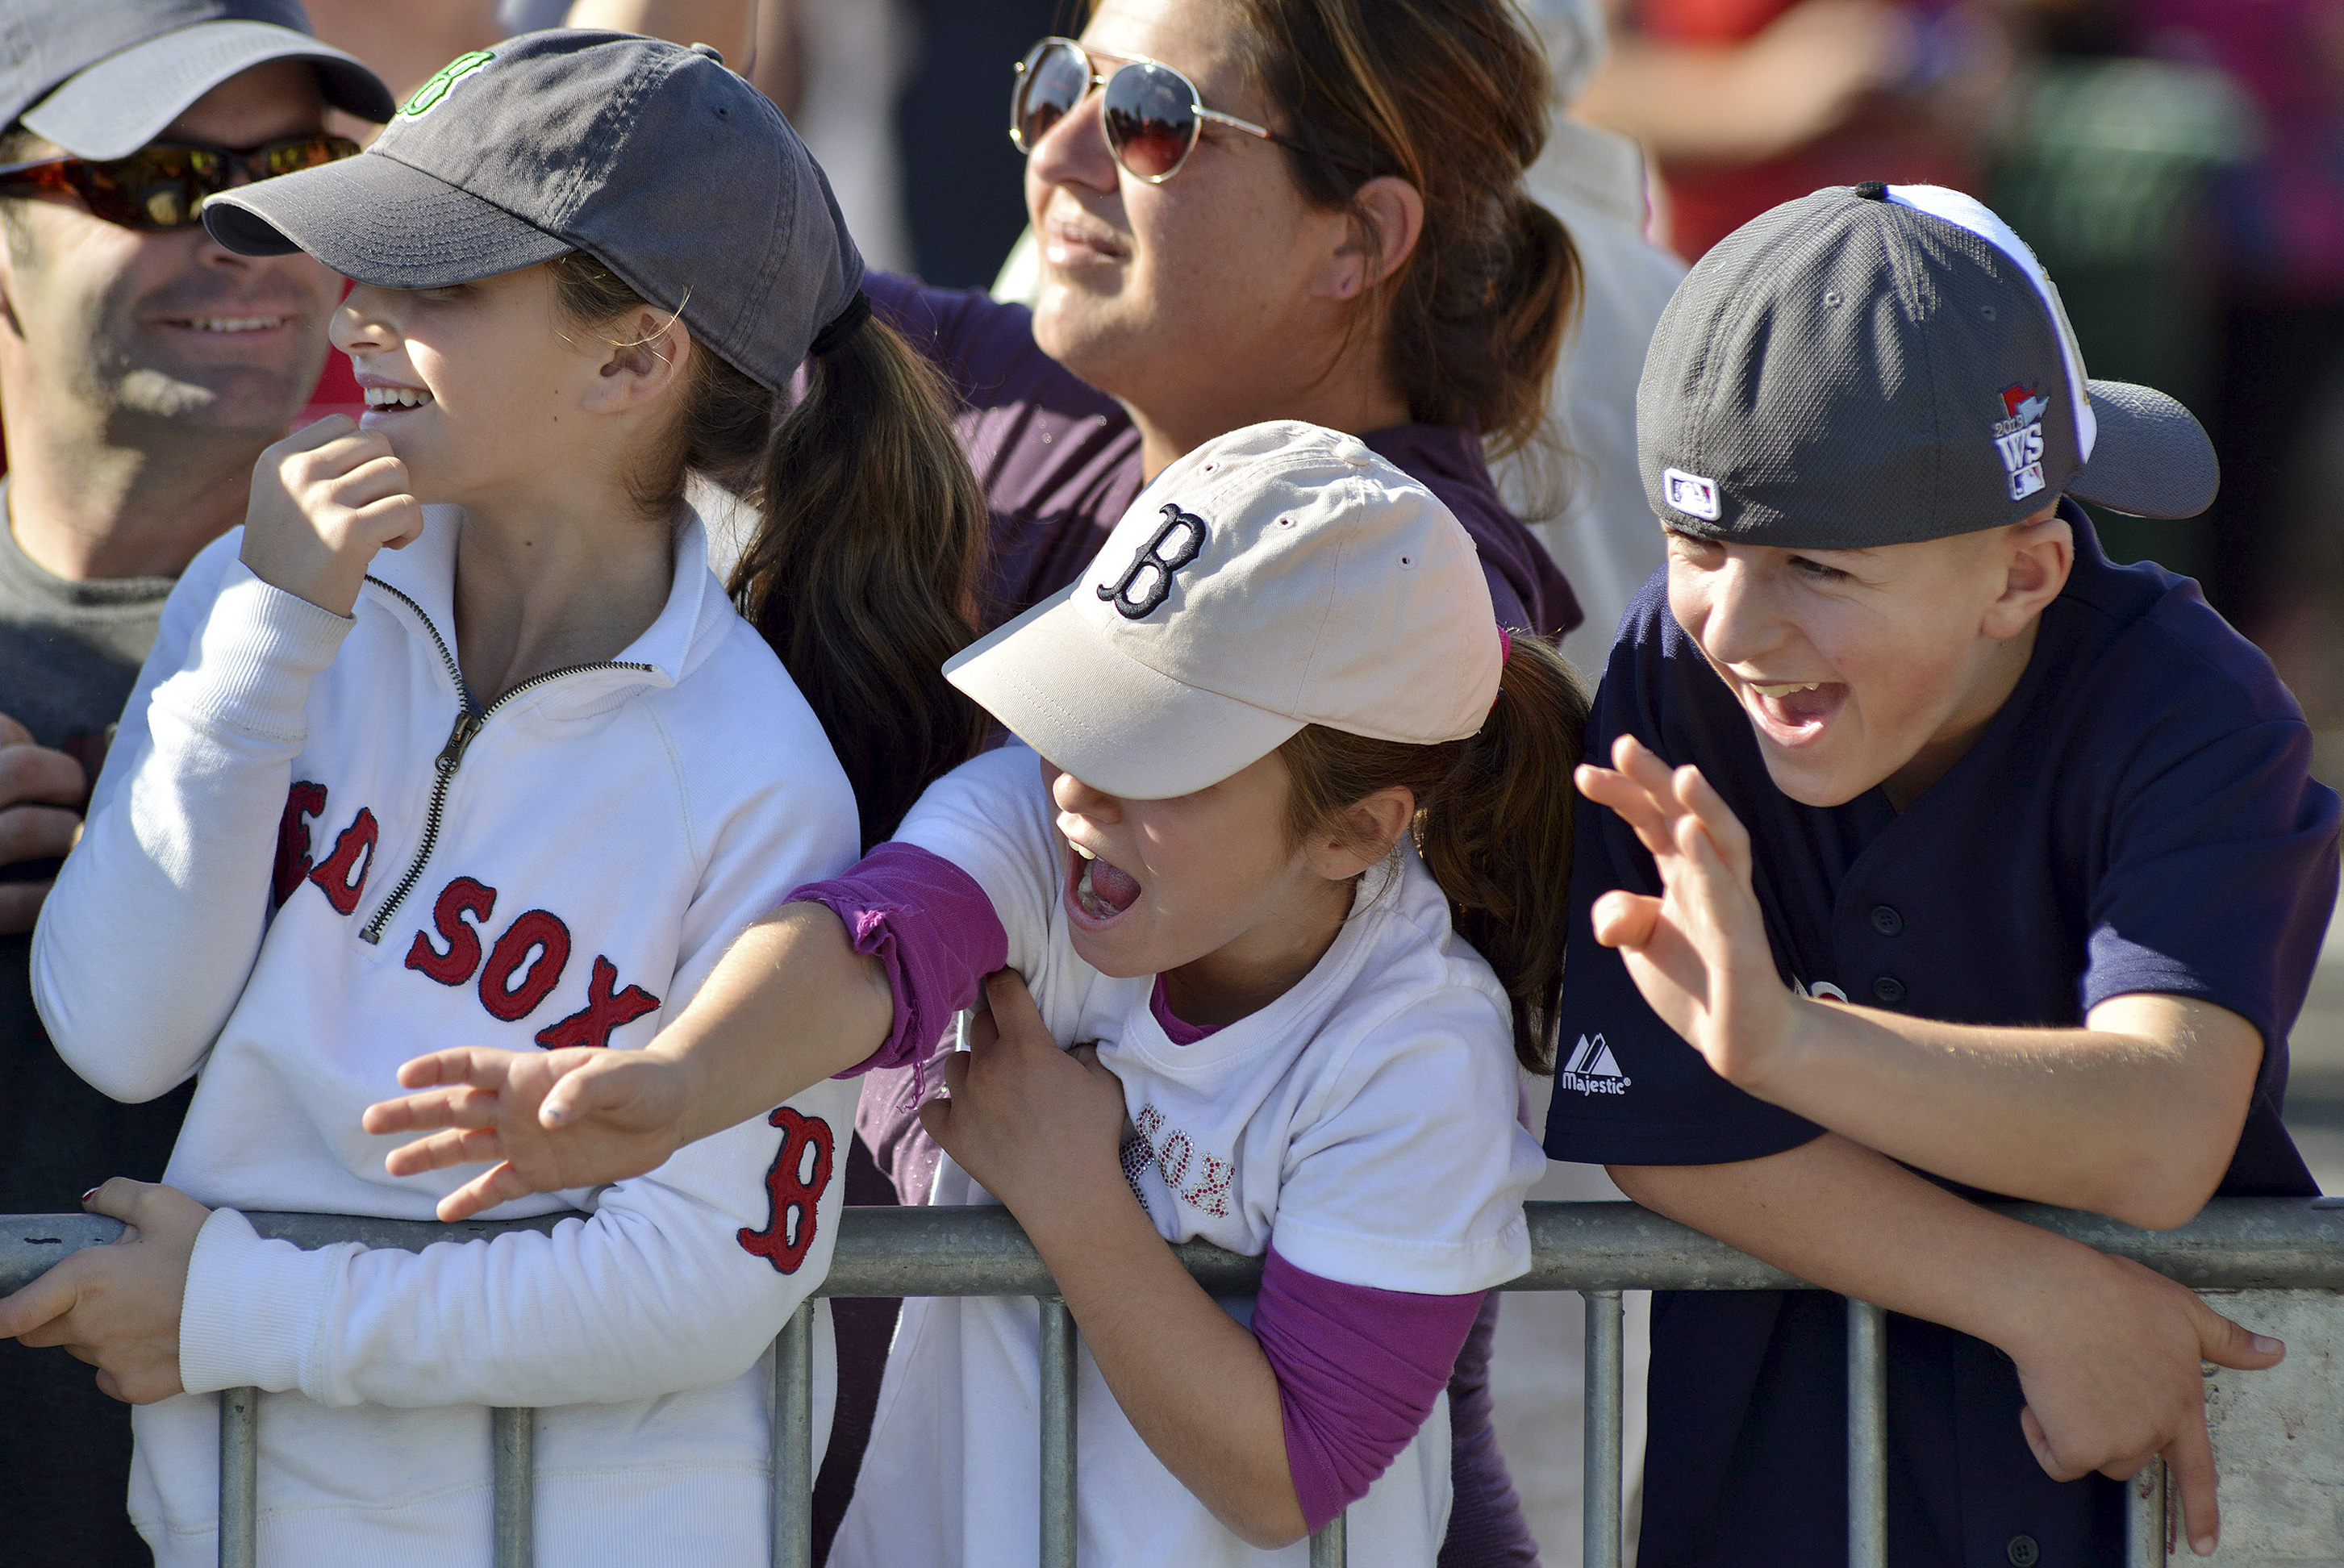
(163, 185)
(1151, 112)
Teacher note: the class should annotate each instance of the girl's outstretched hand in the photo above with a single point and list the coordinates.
(583, 1116)
(117, 1307)
(1025, 1118)
(1699, 952)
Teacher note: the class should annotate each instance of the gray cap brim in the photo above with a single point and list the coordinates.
(118, 105)
(378, 220)
(2150, 458)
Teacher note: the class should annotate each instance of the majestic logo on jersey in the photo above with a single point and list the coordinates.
(524, 965)
(1150, 557)
(1176, 1154)
(2018, 439)
(1689, 494)
(793, 1187)
(1593, 1069)
(1820, 990)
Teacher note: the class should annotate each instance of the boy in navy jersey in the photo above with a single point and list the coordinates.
(1985, 866)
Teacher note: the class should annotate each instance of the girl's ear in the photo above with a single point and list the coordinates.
(1382, 229)
(646, 352)
(1369, 830)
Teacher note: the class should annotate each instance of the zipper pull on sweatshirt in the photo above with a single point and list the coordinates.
(451, 755)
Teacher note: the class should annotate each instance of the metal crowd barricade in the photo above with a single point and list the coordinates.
(1597, 1249)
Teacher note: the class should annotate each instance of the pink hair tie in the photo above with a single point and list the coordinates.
(1505, 644)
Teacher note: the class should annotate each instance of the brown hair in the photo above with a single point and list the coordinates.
(863, 571)
(1450, 96)
(1493, 822)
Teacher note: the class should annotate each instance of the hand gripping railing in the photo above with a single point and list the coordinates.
(1597, 1249)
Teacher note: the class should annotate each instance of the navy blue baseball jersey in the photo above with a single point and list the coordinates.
(2138, 817)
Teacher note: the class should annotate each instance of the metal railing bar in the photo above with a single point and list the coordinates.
(2145, 1524)
(1867, 1436)
(1604, 1431)
(512, 1458)
(1058, 1492)
(1328, 1547)
(793, 1473)
(239, 1478)
(2236, 1244)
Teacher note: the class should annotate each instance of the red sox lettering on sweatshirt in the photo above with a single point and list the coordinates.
(794, 1184)
(524, 965)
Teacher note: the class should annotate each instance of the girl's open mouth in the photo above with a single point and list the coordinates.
(1098, 894)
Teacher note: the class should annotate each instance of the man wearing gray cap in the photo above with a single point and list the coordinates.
(143, 367)
(1986, 866)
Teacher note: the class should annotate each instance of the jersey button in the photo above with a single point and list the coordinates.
(1886, 921)
(2021, 1552)
(1889, 989)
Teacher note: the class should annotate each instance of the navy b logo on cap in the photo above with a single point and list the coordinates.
(1191, 528)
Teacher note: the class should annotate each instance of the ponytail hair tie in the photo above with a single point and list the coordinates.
(843, 326)
(1505, 644)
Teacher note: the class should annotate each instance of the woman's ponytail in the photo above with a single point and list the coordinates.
(1493, 822)
(864, 573)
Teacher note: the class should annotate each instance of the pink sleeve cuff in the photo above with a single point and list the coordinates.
(1358, 1369)
(934, 928)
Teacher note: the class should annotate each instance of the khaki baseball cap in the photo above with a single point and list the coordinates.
(1277, 576)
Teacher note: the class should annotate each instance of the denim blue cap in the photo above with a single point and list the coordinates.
(655, 160)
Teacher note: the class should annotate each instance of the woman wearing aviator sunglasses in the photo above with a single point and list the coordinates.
(1251, 210)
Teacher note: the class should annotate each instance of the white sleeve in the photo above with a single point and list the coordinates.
(1408, 1170)
(181, 833)
(991, 817)
(678, 1279)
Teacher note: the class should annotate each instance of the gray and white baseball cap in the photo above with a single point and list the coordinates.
(665, 167)
(1878, 365)
(101, 78)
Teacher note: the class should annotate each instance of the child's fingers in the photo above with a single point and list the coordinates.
(935, 1116)
(2190, 1459)
(43, 1301)
(1646, 818)
(484, 1192)
(1625, 919)
(1700, 797)
(475, 1065)
(2230, 1345)
(1012, 1007)
(461, 1146)
(431, 1109)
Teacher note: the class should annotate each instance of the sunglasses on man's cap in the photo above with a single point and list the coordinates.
(163, 185)
(1151, 112)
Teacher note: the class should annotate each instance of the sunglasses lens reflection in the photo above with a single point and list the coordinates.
(1151, 119)
(1055, 79)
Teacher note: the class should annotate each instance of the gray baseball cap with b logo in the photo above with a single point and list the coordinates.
(665, 166)
(1878, 365)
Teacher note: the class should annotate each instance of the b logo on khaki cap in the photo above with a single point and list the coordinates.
(1191, 528)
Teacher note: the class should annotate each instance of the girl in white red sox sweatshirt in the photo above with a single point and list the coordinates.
(520, 783)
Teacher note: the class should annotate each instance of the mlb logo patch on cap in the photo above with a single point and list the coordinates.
(1689, 494)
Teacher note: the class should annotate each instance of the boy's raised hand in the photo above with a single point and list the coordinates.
(1699, 952)
(582, 1117)
(324, 501)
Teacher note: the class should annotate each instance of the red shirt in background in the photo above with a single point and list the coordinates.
(1707, 201)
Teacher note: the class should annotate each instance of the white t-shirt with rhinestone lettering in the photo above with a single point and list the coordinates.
(1364, 1124)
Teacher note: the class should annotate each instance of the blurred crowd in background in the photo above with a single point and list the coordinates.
(2177, 164)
